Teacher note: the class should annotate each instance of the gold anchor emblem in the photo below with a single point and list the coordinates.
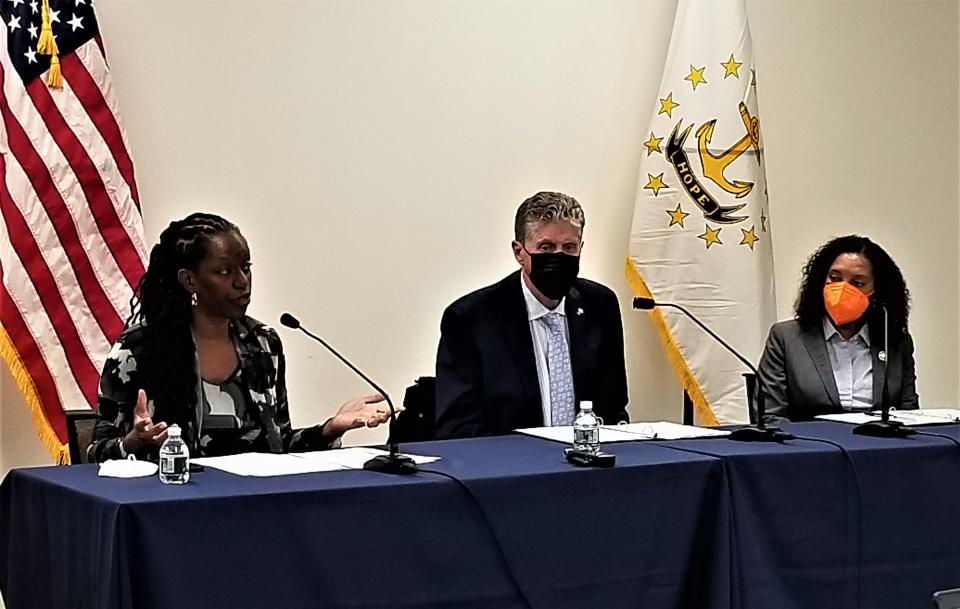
(715, 165)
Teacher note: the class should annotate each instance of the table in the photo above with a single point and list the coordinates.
(363, 539)
(813, 527)
(697, 523)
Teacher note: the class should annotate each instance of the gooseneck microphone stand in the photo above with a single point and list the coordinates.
(884, 428)
(760, 432)
(393, 463)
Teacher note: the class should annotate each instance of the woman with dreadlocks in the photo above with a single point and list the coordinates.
(190, 356)
(830, 358)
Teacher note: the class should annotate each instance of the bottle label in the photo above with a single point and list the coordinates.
(586, 436)
(173, 464)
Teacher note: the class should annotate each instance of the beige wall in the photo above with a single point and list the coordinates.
(373, 152)
(19, 445)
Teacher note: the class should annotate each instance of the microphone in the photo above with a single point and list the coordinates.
(884, 428)
(750, 433)
(394, 463)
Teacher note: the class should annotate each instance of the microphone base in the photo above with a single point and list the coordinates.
(879, 429)
(391, 464)
(752, 433)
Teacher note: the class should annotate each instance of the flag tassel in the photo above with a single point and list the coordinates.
(681, 368)
(24, 382)
(54, 78)
(47, 45)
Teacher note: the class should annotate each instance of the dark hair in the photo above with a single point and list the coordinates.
(162, 305)
(547, 206)
(890, 289)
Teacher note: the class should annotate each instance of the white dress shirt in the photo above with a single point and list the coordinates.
(540, 333)
(852, 366)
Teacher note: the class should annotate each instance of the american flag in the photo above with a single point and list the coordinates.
(71, 233)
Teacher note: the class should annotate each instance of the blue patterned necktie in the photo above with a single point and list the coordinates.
(561, 377)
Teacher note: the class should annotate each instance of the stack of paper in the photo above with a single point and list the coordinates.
(949, 414)
(264, 464)
(654, 430)
(354, 458)
(665, 430)
(270, 464)
(931, 416)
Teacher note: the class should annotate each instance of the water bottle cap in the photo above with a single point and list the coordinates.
(586, 405)
(173, 431)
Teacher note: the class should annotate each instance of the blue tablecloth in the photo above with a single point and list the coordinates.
(634, 536)
(875, 525)
(698, 523)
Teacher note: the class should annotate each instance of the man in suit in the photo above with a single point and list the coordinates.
(525, 351)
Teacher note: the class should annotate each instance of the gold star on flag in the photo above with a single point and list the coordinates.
(667, 105)
(676, 216)
(731, 68)
(710, 235)
(749, 237)
(655, 183)
(696, 76)
(653, 144)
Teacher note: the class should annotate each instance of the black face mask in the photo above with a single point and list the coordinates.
(554, 273)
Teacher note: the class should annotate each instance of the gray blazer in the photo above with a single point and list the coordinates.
(795, 371)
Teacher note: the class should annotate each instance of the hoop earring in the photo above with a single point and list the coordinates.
(193, 299)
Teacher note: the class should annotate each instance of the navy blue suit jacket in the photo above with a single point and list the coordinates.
(487, 381)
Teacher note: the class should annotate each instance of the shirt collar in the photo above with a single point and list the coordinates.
(535, 308)
(829, 331)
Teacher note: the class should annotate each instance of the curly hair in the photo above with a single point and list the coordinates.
(547, 206)
(161, 307)
(890, 289)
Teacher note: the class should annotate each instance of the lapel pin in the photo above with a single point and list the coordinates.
(579, 311)
(882, 356)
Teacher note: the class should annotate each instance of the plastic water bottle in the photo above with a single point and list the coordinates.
(174, 458)
(586, 429)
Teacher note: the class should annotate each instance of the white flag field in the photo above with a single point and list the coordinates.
(701, 234)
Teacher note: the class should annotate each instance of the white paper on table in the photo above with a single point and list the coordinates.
(355, 457)
(854, 418)
(947, 414)
(666, 430)
(907, 417)
(632, 432)
(265, 464)
(564, 434)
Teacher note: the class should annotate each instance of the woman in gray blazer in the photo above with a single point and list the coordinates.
(830, 358)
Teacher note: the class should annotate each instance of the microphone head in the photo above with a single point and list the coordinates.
(643, 304)
(290, 321)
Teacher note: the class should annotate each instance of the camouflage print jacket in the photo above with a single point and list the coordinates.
(266, 427)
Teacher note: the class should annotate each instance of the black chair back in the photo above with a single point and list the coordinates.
(751, 381)
(80, 426)
(416, 422)
(688, 418)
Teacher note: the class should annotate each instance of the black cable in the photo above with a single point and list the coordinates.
(859, 503)
(490, 530)
(727, 481)
(936, 435)
(856, 480)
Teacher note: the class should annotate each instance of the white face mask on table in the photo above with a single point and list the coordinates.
(127, 468)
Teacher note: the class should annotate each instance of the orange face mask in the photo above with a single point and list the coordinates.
(844, 303)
